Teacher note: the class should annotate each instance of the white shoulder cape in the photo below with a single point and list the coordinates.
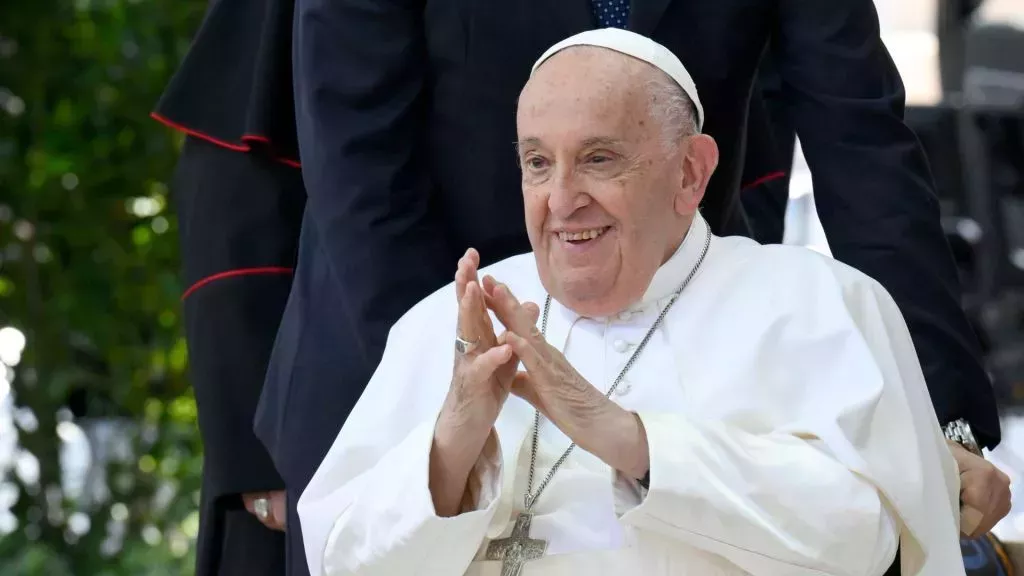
(835, 362)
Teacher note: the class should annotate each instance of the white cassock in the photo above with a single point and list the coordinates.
(789, 425)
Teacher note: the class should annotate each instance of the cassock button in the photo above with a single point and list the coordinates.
(620, 346)
(624, 387)
(625, 315)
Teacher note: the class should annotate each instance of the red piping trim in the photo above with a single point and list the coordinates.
(295, 164)
(766, 178)
(233, 273)
(244, 147)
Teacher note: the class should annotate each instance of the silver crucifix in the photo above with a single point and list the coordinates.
(517, 548)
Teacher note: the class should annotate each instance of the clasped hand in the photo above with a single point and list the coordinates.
(484, 377)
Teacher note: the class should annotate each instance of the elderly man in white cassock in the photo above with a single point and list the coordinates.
(637, 396)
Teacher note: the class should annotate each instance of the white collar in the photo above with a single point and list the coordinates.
(665, 282)
(670, 276)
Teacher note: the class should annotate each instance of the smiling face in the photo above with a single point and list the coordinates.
(608, 197)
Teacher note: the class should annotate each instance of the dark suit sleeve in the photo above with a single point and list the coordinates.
(874, 192)
(360, 105)
(238, 224)
(765, 189)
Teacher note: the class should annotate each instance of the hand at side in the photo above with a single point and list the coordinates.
(984, 490)
(277, 517)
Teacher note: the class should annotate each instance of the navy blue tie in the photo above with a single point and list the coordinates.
(611, 13)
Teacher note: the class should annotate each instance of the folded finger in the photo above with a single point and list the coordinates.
(973, 491)
(474, 324)
(279, 512)
(525, 350)
(460, 283)
(273, 524)
(521, 387)
(481, 319)
(489, 361)
(532, 312)
(489, 284)
(970, 521)
(507, 308)
(249, 500)
(466, 272)
(473, 257)
(526, 313)
(468, 311)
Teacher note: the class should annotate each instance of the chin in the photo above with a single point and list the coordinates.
(589, 296)
(592, 289)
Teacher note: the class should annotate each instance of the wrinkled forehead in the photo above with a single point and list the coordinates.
(585, 87)
(585, 67)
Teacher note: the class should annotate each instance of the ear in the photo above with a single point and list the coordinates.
(699, 162)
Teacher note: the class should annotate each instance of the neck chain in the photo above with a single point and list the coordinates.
(530, 498)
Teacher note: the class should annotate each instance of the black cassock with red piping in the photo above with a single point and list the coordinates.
(239, 199)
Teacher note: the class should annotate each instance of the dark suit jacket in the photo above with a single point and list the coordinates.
(406, 118)
(768, 159)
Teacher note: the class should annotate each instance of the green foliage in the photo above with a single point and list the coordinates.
(89, 274)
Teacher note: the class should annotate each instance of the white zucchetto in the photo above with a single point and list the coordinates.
(639, 47)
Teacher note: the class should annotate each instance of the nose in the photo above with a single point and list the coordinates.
(567, 194)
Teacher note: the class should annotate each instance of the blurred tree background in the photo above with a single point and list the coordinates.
(100, 455)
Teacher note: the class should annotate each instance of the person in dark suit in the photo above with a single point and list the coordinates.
(405, 113)
(238, 194)
(767, 163)
(772, 137)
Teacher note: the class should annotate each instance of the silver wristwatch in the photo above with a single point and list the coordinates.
(959, 431)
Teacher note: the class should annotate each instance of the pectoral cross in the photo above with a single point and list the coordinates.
(517, 548)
